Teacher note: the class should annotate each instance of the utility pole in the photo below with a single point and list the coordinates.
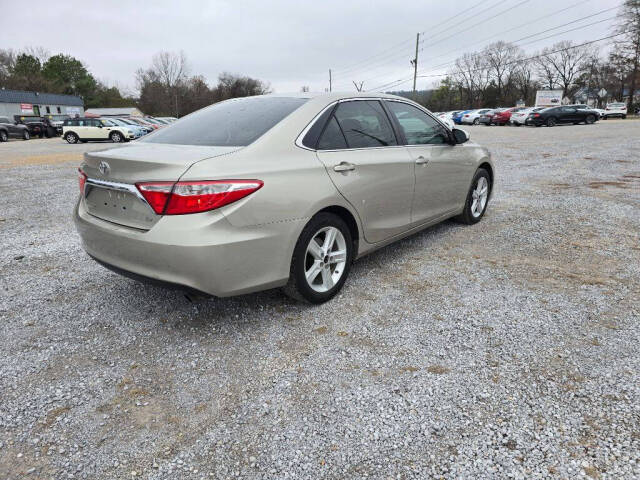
(414, 62)
(329, 79)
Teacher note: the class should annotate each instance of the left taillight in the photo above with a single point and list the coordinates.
(168, 198)
(82, 179)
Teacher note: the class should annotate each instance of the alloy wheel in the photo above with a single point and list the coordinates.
(325, 259)
(479, 195)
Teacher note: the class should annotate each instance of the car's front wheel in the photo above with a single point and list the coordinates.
(3, 136)
(116, 137)
(321, 259)
(590, 119)
(26, 135)
(477, 198)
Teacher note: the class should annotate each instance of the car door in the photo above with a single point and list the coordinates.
(371, 170)
(442, 169)
(569, 115)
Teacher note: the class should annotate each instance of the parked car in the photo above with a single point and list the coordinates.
(144, 127)
(617, 109)
(55, 122)
(277, 191)
(10, 129)
(457, 117)
(157, 121)
(141, 121)
(138, 130)
(520, 117)
(83, 130)
(487, 118)
(503, 116)
(36, 126)
(473, 117)
(168, 119)
(555, 115)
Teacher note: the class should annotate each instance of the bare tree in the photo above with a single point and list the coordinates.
(523, 78)
(502, 63)
(545, 70)
(569, 62)
(40, 53)
(471, 76)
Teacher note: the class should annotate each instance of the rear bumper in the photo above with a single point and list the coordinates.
(202, 252)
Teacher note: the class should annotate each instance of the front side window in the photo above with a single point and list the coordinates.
(418, 127)
(233, 123)
(364, 124)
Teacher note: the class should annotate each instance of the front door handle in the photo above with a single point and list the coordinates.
(344, 167)
(421, 160)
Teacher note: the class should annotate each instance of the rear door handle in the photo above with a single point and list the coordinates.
(421, 160)
(344, 167)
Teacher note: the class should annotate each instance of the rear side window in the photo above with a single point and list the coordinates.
(332, 137)
(233, 123)
(365, 124)
(418, 127)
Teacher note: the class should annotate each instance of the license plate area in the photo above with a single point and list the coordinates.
(118, 206)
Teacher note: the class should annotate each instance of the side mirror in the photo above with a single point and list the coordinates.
(99, 125)
(460, 135)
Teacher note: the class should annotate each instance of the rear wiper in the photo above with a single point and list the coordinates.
(372, 136)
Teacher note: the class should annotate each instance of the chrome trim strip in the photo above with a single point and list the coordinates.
(123, 187)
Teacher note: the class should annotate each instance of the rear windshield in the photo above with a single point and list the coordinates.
(618, 105)
(234, 123)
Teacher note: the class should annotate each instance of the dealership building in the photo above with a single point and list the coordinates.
(20, 102)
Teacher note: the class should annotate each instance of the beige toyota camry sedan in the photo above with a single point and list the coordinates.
(277, 191)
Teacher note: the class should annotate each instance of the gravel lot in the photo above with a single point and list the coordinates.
(504, 350)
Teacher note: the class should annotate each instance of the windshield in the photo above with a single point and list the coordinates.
(233, 123)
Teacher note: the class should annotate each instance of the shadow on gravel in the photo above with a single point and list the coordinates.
(201, 312)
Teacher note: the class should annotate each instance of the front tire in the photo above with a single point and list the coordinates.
(590, 119)
(477, 198)
(116, 137)
(321, 259)
(26, 135)
(476, 121)
(71, 138)
(4, 137)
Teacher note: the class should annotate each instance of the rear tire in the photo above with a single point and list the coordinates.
(71, 138)
(624, 116)
(477, 198)
(4, 137)
(551, 122)
(320, 265)
(26, 135)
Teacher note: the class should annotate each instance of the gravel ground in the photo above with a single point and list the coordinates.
(504, 350)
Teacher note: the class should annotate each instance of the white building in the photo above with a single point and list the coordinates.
(20, 102)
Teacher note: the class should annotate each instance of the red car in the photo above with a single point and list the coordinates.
(503, 116)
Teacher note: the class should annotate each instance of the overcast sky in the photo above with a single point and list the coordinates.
(294, 43)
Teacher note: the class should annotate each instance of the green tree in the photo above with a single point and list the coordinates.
(69, 75)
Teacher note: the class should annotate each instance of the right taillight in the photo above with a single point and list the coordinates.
(168, 198)
(82, 179)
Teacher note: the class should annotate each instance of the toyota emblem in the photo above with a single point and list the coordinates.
(104, 168)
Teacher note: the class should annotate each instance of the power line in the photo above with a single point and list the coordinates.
(401, 81)
(516, 27)
(393, 48)
(476, 24)
(480, 22)
(451, 62)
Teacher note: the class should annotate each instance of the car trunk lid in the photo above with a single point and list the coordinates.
(110, 192)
